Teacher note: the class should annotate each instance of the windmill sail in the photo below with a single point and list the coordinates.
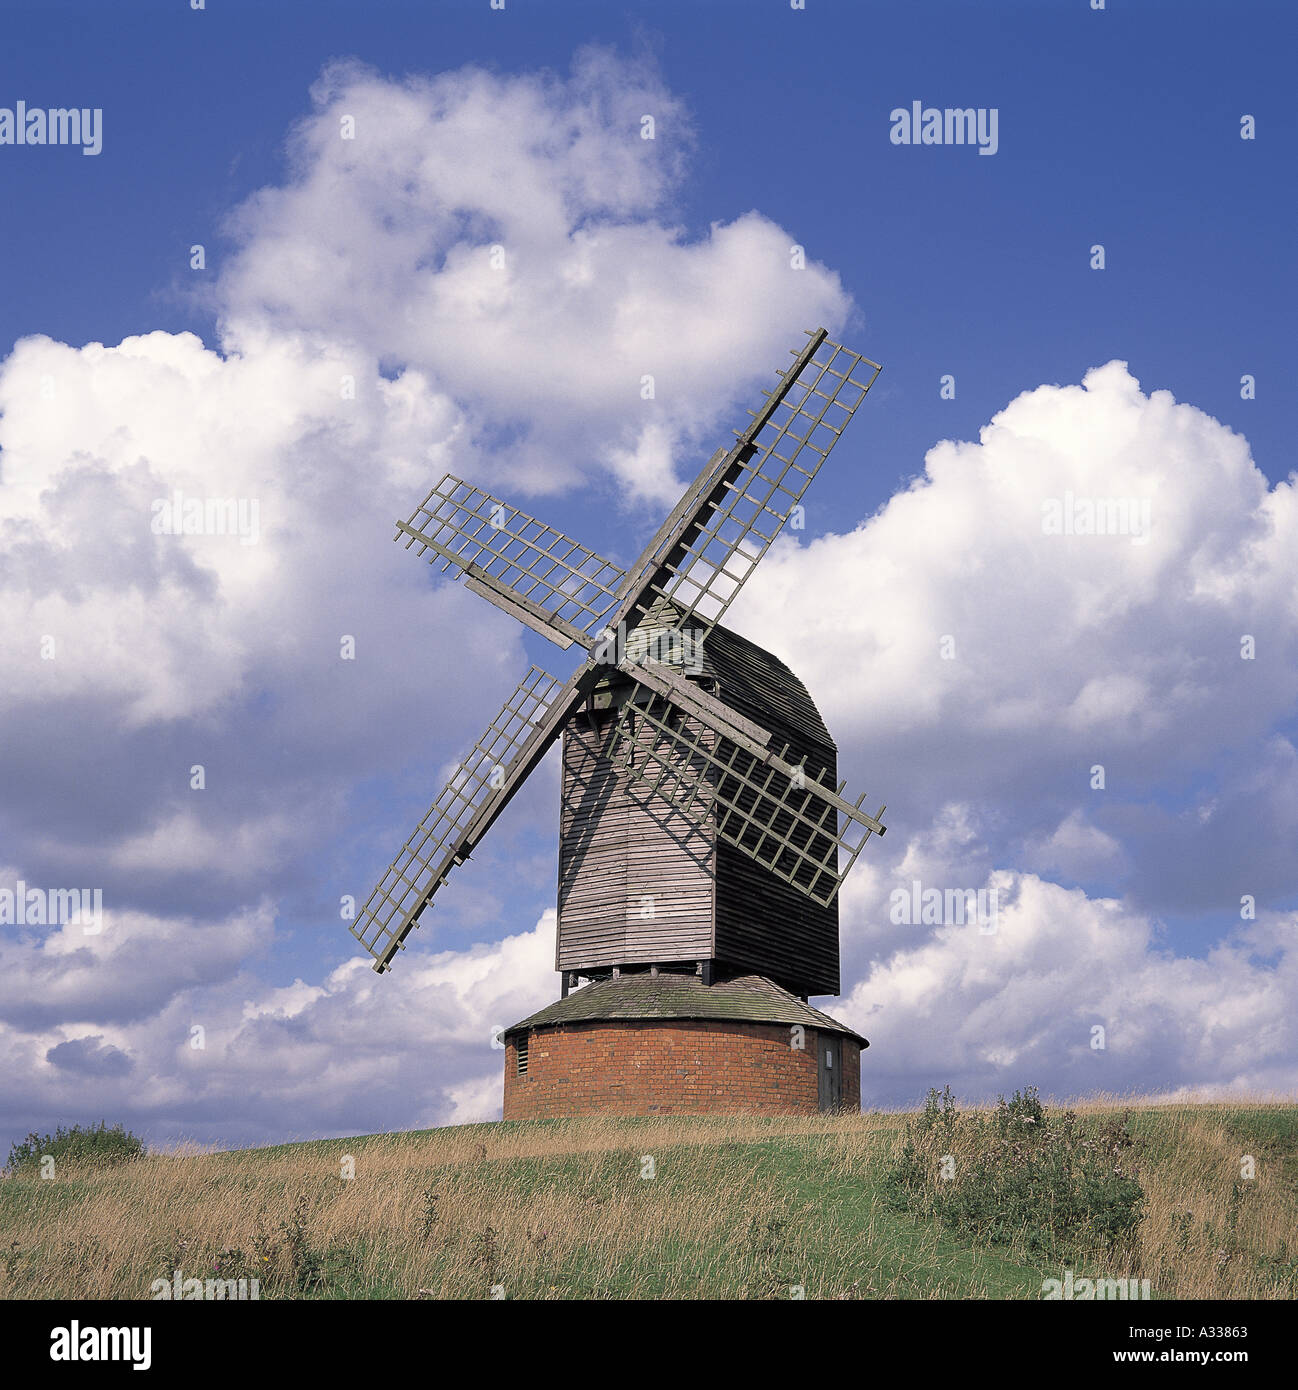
(740, 502)
(514, 741)
(780, 814)
(717, 763)
(547, 580)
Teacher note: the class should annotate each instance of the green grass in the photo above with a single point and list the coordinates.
(737, 1208)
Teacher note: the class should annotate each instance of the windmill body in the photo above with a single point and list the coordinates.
(643, 882)
(703, 831)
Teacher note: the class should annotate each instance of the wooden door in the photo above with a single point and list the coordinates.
(830, 1071)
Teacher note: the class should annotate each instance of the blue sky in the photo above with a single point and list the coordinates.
(1119, 127)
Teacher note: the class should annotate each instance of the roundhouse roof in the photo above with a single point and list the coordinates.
(741, 999)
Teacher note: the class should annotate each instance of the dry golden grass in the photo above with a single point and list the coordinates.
(1210, 1232)
(738, 1207)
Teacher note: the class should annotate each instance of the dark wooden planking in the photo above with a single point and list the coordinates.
(765, 924)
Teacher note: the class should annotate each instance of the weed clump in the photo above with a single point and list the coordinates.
(80, 1144)
(1021, 1175)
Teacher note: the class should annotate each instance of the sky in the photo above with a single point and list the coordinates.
(234, 299)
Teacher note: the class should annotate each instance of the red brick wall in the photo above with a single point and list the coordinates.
(682, 1067)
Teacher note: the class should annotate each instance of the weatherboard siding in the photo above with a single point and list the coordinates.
(636, 878)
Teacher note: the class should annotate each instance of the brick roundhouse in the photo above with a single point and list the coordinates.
(668, 1044)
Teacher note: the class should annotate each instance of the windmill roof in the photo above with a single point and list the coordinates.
(758, 682)
(753, 680)
(743, 998)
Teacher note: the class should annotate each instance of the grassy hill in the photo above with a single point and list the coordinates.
(736, 1207)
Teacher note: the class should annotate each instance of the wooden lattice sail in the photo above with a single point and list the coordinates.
(702, 819)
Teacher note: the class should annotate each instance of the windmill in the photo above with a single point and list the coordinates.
(703, 832)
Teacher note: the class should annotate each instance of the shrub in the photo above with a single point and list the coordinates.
(1021, 1175)
(95, 1144)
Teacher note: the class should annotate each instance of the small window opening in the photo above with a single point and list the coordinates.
(522, 1055)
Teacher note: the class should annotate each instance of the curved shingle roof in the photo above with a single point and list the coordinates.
(753, 680)
(742, 999)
